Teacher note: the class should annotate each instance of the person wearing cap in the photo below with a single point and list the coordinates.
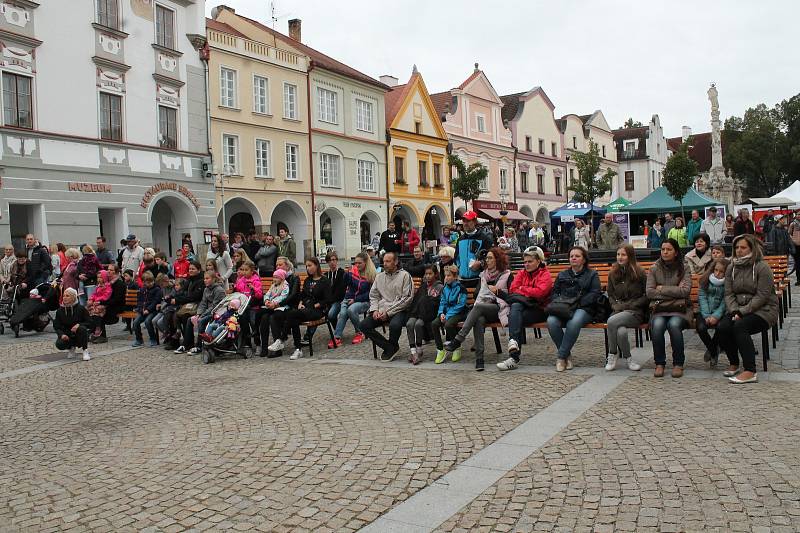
(468, 249)
(72, 325)
(713, 226)
(391, 240)
(132, 255)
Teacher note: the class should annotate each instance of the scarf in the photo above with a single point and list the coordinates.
(714, 280)
(699, 253)
(739, 261)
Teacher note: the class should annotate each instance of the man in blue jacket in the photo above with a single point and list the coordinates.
(468, 248)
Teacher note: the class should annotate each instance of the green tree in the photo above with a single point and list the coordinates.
(590, 184)
(789, 115)
(466, 184)
(679, 174)
(630, 123)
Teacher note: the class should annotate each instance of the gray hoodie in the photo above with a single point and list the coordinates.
(211, 297)
(391, 293)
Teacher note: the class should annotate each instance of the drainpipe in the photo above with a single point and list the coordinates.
(514, 175)
(450, 183)
(388, 201)
(311, 161)
(205, 56)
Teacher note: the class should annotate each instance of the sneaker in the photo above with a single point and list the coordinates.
(508, 364)
(86, 356)
(561, 365)
(452, 345)
(513, 346)
(180, 349)
(358, 339)
(412, 355)
(194, 351)
(389, 354)
(137, 343)
(335, 343)
(456, 356)
(611, 362)
(297, 354)
(569, 363)
(153, 342)
(276, 346)
(71, 353)
(633, 365)
(479, 365)
(441, 355)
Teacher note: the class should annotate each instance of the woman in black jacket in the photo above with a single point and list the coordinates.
(72, 325)
(314, 300)
(192, 294)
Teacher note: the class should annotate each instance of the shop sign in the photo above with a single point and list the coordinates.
(485, 204)
(354, 205)
(79, 186)
(168, 186)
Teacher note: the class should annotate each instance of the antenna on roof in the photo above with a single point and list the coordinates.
(273, 16)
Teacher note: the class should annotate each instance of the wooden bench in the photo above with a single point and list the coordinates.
(131, 300)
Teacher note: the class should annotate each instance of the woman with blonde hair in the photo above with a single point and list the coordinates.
(358, 282)
(69, 271)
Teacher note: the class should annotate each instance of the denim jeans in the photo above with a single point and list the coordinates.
(659, 326)
(202, 322)
(214, 328)
(521, 316)
(354, 312)
(565, 339)
(147, 320)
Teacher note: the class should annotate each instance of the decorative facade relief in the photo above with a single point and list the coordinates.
(110, 45)
(168, 63)
(16, 16)
(17, 58)
(114, 156)
(169, 162)
(168, 95)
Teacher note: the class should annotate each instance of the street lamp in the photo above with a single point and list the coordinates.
(227, 172)
(503, 212)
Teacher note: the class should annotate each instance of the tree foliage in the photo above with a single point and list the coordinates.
(466, 183)
(630, 123)
(680, 173)
(590, 184)
(762, 148)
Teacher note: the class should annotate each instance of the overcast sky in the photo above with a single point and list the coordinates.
(627, 58)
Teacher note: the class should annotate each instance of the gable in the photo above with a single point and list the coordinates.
(418, 107)
(598, 120)
(480, 87)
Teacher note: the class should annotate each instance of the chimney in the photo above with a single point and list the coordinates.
(219, 9)
(391, 81)
(294, 30)
(686, 132)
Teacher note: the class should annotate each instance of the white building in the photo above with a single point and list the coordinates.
(641, 153)
(104, 129)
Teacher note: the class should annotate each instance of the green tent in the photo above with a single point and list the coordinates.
(659, 201)
(617, 205)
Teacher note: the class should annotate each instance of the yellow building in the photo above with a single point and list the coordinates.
(419, 184)
(259, 132)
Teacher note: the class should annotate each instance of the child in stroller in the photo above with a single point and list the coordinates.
(223, 335)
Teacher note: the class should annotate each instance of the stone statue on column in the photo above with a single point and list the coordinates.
(721, 186)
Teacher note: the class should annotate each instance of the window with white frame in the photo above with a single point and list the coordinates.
(165, 27)
(262, 158)
(108, 13)
(366, 175)
(484, 183)
(481, 122)
(230, 154)
(18, 101)
(227, 87)
(290, 101)
(167, 127)
(292, 161)
(363, 115)
(503, 179)
(260, 95)
(329, 174)
(110, 117)
(326, 106)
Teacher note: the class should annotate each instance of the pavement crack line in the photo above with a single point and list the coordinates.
(432, 506)
(61, 362)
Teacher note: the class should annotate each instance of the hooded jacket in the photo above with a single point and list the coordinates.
(40, 265)
(624, 295)
(712, 301)
(453, 301)
(357, 287)
(68, 316)
(391, 293)
(693, 229)
(750, 285)
(673, 286)
(252, 287)
(338, 287)
(536, 285)
(426, 301)
(212, 295)
(468, 247)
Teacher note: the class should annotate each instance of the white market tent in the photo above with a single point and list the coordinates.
(791, 192)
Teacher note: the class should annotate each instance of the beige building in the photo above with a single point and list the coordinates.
(577, 131)
(259, 131)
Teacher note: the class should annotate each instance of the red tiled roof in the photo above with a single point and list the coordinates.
(394, 99)
(699, 149)
(321, 60)
(442, 102)
(221, 26)
(472, 76)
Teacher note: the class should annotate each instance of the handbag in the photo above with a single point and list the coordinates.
(671, 305)
(563, 307)
(602, 309)
(187, 310)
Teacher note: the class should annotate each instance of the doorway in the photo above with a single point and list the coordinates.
(113, 223)
(171, 218)
(24, 219)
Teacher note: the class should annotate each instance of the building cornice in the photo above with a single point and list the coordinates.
(417, 137)
(22, 39)
(103, 62)
(316, 131)
(166, 80)
(107, 29)
(470, 141)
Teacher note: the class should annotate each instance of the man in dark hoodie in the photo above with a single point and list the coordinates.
(72, 325)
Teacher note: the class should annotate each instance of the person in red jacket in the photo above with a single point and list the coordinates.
(181, 265)
(528, 296)
(410, 238)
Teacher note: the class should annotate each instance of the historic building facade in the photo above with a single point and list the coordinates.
(472, 117)
(419, 182)
(642, 154)
(258, 102)
(577, 131)
(104, 128)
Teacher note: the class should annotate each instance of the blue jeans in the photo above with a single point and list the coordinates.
(214, 328)
(202, 322)
(659, 326)
(565, 339)
(354, 312)
(147, 320)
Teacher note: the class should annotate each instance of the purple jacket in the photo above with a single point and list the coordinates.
(357, 287)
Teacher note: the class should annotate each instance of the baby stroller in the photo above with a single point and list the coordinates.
(230, 341)
(8, 301)
(33, 313)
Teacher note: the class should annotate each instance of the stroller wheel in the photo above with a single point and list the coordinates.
(208, 357)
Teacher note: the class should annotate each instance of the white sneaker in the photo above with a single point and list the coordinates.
(561, 365)
(297, 354)
(633, 365)
(413, 350)
(611, 362)
(86, 356)
(276, 346)
(181, 349)
(513, 346)
(194, 350)
(508, 364)
(71, 353)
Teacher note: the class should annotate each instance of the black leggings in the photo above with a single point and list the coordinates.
(77, 339)
(734, 337)
(284, 321)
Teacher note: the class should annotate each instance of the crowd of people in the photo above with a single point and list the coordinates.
(377, 295)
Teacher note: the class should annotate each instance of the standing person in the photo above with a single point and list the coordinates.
(646, 228)
(375, 242)
(410, 238)
(730, 227)
(62, 258)
(219, 253)
(581, 284)
(626, 294)
(794, 234)
(694, 226)
(390, 240)
(56, 262)
(522, 236)
(780, 239)
(712, 308)
(389, 299)
(609, 236)
(188, 253)
(72, 325)
(19, 276)
(678, 233)
(132, 255)
(6, 263)
(104, 255)
(490, 305)
(186, 244)
(286, 245)
(509, 241)
(69, 274)
(744, 226)
(468, 249)
(656, 235)
(669, 285)
(238, 241)
(146, 301)
(528, 296)
(452, 310)
(713, 227)
(180, 268)
(314, 298)
(751, 306)
(39, 263)
(358, 282)
(444, 239)
(581, 234)
(266, 256)
(699, 257)
(766, 223)
(422, 312)
(669, 223)
(252, 246)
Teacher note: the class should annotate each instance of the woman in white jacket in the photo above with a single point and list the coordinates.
(219, 253)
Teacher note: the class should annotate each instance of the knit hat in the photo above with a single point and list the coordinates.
(279, 274)
(71, 291)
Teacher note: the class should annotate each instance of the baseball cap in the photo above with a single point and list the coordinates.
(469, 215)
(534, 251)
(131, 237)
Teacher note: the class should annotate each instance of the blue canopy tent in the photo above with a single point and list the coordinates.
(568, 212)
